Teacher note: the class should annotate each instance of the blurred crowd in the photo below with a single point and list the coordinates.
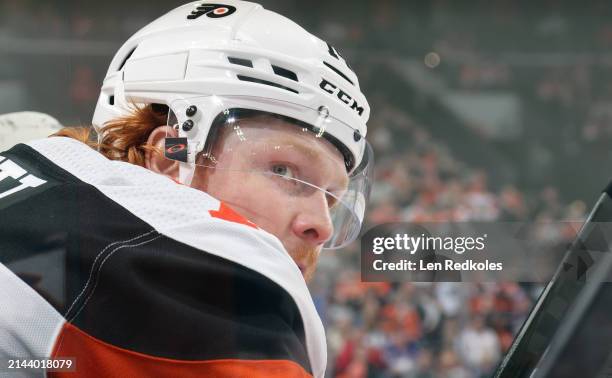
(446, 329)
(420, 330)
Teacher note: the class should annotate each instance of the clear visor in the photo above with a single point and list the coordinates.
(283, 174)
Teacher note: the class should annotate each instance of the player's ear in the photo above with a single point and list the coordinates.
(155, 159)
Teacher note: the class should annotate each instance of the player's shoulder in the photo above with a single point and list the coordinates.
(91, 167)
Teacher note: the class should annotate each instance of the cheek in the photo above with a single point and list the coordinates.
(218, 183)
(263, 204)
(252, 195)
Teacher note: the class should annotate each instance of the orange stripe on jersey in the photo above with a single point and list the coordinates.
(227, 213)
(97, 359)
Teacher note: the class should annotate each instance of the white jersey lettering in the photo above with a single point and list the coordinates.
(9, 169)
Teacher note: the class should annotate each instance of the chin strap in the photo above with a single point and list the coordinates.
(186, 172)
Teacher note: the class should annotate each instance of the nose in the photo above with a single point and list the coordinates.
(313, 223)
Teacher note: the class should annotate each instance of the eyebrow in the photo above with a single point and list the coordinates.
(306, 150)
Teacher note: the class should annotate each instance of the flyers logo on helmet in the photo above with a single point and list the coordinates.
(212, 11)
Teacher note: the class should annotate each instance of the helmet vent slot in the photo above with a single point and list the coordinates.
(240, 61)
(280, 71)
(126, 58)
(265, 82)
(337, 71)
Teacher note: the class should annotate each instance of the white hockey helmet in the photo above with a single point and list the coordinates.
(22, 127)
(202, 59)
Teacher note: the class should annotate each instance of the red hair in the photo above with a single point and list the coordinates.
(124, 138)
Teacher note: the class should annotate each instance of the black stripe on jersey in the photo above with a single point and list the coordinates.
(116, 278)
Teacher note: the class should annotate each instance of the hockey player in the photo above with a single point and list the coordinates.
(230, 150)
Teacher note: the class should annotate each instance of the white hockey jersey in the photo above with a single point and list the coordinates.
(132, 274)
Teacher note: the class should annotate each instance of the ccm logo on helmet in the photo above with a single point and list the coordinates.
(342, 95)
(212, 11)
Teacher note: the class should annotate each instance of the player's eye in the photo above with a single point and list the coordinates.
(283, 170)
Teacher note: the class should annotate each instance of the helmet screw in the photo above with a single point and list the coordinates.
(323, 111)
(191, 111)
(356, 136)
(187, 125)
